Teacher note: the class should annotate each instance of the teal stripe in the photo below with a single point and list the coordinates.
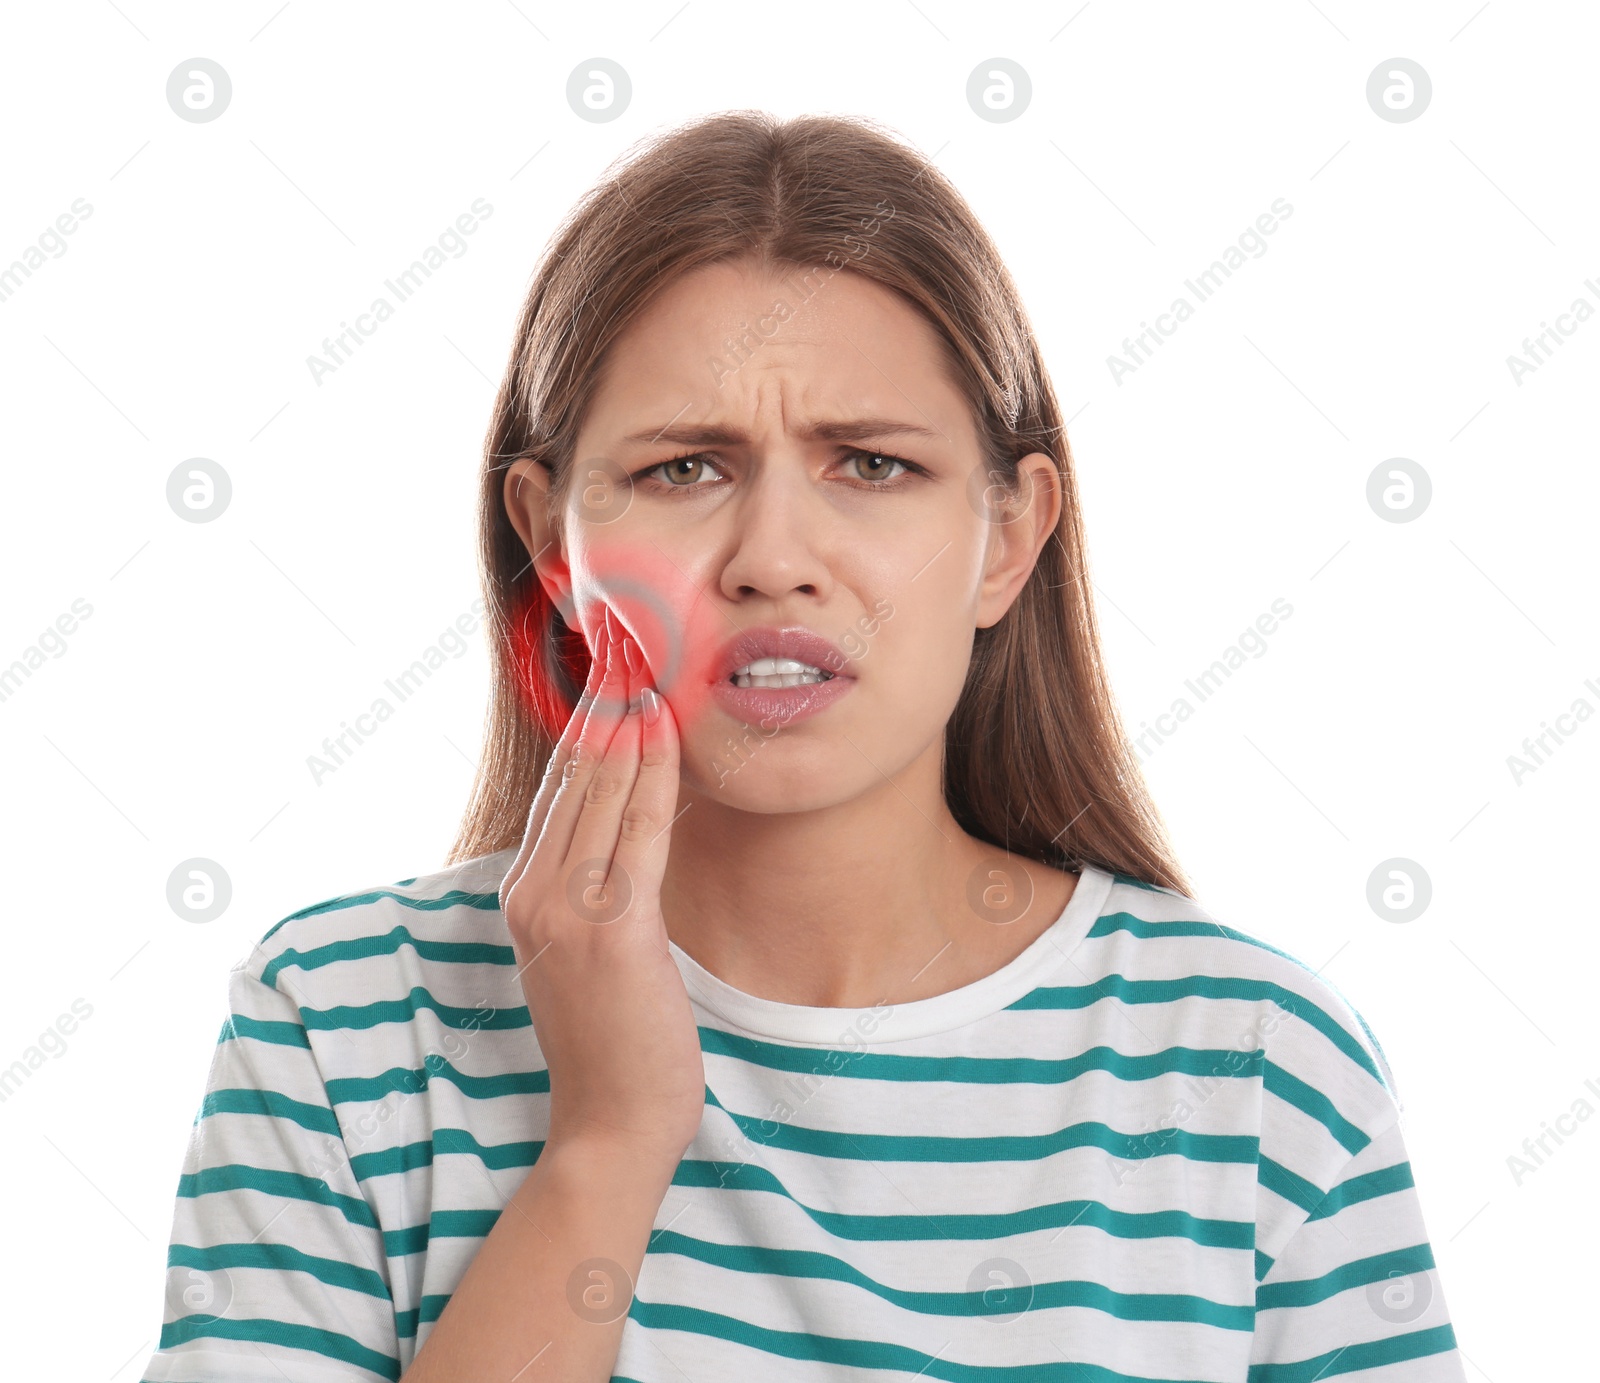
(426, 1313)
(896, 1147)
(390, 942)
(358, 1017)
(445, 1141)
(1200, 987)
(1140, 927)
(1110, 923)
(1368, 1186)
(328, 1343)
(279, 1258)
(279, 1034)
(993, 1301)
(860, 1064)
(865, 1354)
(315, 1118)
(413, 1080)
(406, 1157)
(1360, 1272)
(1147, 930)
(453, 898)
(1278, 1178)
(1311, 1101)
(1416, 1344)
(1124, 1224)
(239, 1176)
(442, 1224)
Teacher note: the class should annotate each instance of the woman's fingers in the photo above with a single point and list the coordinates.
(568, 806)
(550, 784)
(645, 832)
(598, 827)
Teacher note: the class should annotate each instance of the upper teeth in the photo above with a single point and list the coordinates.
(774, 667)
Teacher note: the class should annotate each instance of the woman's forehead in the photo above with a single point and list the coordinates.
(719, 349)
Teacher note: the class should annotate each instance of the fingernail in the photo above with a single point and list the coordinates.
(630, 651)
(652, 705)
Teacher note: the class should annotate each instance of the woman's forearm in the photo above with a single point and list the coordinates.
(543, 1298)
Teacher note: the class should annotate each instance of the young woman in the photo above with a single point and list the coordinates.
(813, 993)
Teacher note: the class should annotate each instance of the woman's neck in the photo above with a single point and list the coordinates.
(877, 900)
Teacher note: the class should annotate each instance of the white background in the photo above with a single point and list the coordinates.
(1228, 471)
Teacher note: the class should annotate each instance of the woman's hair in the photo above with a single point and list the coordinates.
(1036, 758)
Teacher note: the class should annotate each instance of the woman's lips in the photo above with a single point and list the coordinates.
(775, 707)
(769, 641)
(779, 706)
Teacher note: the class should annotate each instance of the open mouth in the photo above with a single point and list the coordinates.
(778, 673)
(780, 690)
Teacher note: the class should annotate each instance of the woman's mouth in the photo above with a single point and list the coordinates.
(778, 672)
(775, 701)
(773, 676)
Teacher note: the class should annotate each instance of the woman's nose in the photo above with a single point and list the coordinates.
(779, 538)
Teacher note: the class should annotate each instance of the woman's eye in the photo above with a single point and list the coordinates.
(888, 462)
(674, 472)
(686, 472)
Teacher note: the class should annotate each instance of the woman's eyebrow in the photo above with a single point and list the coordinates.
(828, 430)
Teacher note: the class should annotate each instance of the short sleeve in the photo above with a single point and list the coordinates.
(1354, 1294)
(276, 1266)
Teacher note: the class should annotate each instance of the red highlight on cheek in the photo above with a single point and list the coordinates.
(542, 697)
(654, 601)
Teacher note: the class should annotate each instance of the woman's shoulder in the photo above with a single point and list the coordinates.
(1165, 940)
(1329, 1105)
(447, 914)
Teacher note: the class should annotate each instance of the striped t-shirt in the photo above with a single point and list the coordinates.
(1151, 1147)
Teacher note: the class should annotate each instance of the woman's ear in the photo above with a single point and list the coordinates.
(1017, 533)
(527, 499)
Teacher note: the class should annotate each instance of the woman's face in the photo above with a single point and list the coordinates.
(834, 487)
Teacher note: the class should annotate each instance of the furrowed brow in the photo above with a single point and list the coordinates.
(830, 430)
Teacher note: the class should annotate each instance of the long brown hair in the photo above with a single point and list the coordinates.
(1036, 758)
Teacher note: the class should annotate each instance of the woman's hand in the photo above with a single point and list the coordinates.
(582, 903)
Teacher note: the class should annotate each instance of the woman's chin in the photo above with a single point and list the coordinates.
(753, 774)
